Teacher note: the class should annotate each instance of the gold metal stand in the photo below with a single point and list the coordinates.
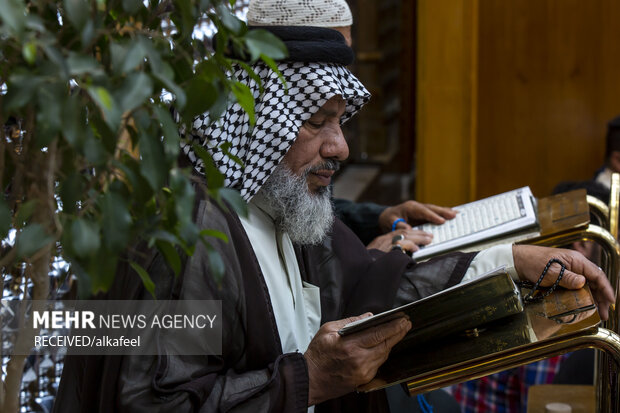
(513, 341)
(614, 201)
(606, 376)
(600, 210)
(531, 336)
(599, 338)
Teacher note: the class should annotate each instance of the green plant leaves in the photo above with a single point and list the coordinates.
(85, 237)
(245, 98)
(49, 115)
(263, 42)
(56, 57)
(170, 131)
(153, 160)
(215, 179)
(214, 233)
(137, 88)
(172, 256)
(229, 20)
(93, 149)
(73, 121)
(146, 278)
(21, 89)
(104, 100)
(201, 94)
(31, 239)
(127, 56)
(116, 221)
(132, 6)
(233, 198)
(184, 196)
(13, 15)
(77, 11)
(80, 64)
(94, 79)
(29, 51)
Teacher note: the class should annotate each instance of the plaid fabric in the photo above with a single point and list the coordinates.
(506, 391)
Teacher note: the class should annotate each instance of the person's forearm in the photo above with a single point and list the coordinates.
(490, 259)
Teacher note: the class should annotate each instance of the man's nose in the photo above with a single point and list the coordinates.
(335, 146)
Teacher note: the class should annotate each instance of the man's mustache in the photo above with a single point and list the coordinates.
(327, 165)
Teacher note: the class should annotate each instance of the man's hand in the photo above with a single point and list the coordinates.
(531, 260)
(338, 365)
(414, 213)
(413, 238)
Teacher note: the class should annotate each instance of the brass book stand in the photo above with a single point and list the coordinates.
(540, 332)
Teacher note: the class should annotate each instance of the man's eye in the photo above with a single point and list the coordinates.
(314, 125)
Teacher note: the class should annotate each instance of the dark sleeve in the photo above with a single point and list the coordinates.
(354, 280)
(396, 277)
(361, 217)
(169, 384)
(430, 277)
(251, 374)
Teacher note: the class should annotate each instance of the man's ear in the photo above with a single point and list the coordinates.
(614, 161)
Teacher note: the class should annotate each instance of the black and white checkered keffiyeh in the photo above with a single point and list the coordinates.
(280, 114)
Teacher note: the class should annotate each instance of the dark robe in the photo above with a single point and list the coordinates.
(252, 374)
(361, 217)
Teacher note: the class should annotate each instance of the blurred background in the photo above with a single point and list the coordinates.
(477, 97)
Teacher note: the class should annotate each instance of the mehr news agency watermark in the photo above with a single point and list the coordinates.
(98, 327)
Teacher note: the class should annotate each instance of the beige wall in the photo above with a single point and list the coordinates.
(513, 93)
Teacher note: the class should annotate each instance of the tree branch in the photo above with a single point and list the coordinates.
(37, 269)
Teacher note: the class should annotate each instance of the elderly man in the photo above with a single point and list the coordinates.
(294, 274)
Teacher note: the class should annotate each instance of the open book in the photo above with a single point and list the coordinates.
(456, 309)
(481, 220)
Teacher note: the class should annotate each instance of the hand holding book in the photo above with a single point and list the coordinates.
(338, 365)
(413, 213)
(531, 260)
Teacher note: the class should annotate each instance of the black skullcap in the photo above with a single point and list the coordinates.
(307, 44)
(313, 44)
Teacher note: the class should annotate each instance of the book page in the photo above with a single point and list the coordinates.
(481, 220)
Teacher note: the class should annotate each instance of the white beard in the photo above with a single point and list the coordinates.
(304, 216)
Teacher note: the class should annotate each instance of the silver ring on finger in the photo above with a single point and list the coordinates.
(397, 238)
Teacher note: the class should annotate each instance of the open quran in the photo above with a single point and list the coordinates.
(481, 220)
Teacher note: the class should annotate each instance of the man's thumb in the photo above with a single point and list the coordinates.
(345, 321)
